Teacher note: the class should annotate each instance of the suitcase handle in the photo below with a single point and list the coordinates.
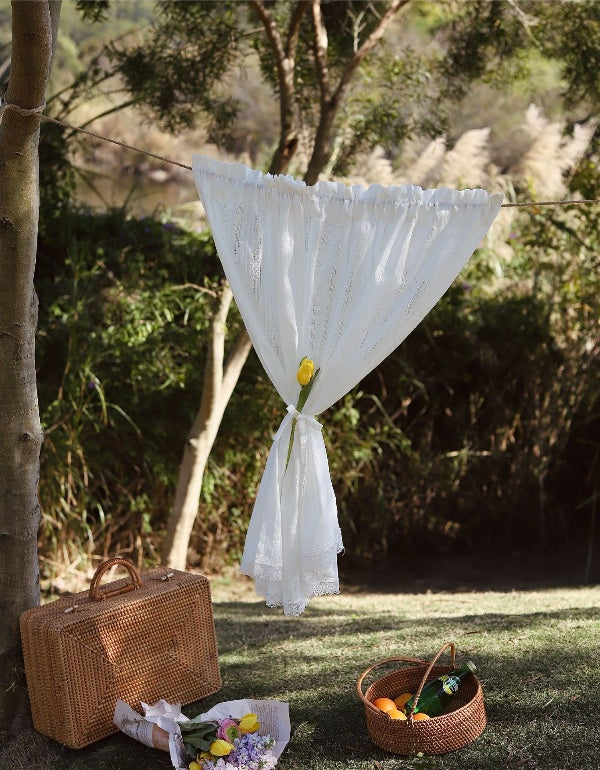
(136, 579)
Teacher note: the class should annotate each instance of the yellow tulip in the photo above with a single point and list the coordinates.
(249, 723)
(305, 371)
(195, 766)
(221, 748)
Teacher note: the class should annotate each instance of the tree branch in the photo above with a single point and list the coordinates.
(321, 53)
(368, 45)
(109, 111)
(285, 59)
(54, 6)
(235, 362)
(330, 102)
(30, 64)
(214, 361)
(271, 30)
(294, 30)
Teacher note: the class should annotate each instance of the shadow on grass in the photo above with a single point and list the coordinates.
(539, 673)
(245, 625)
(536, 684)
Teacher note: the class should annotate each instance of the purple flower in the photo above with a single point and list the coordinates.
(251, 752)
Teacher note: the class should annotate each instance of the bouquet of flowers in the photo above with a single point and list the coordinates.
(228, 744)
(220, 739)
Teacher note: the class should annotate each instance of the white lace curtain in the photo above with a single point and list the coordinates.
(340, 275)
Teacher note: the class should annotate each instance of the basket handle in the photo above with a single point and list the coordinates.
(428, 671)
(413, 661)
(136, 579)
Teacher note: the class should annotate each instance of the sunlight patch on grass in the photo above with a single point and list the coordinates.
(536, 653)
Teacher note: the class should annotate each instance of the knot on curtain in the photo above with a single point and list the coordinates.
(304, 421)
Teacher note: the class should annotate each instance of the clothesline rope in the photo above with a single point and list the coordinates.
(39, 111)
(115, 141)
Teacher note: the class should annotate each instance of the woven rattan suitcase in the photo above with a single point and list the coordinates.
(142, 638)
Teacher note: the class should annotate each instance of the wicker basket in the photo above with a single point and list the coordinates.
(464, 720)
(141, 638)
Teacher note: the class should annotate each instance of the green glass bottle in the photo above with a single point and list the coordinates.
(436, 694)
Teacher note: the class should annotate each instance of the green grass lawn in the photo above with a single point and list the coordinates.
(537, 653)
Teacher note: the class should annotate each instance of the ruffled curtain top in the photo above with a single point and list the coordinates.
(340, 275)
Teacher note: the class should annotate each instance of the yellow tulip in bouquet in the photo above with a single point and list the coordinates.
(245, 734)
(228, 744)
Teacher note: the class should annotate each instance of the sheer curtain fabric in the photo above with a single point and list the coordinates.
(340, 275)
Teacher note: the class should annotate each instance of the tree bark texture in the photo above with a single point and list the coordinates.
(219, 382)
(333, 99)
(285, 58)
(34, 27)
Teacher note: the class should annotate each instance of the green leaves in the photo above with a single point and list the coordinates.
(178, 70)
(93, 10)
(120, 348)
(198, 735)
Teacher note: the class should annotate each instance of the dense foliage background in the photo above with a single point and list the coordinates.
(480, 431)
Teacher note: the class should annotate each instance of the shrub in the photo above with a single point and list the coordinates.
(464, 436)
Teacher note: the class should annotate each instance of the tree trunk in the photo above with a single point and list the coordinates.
(34, 28)
(219, 382)
(285, 59)
(323, 144)
(288, 135)
(332, 100)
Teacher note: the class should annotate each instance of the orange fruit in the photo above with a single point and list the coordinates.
(396, 714)
(401, 700)
(420, 715)
(385, 704)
